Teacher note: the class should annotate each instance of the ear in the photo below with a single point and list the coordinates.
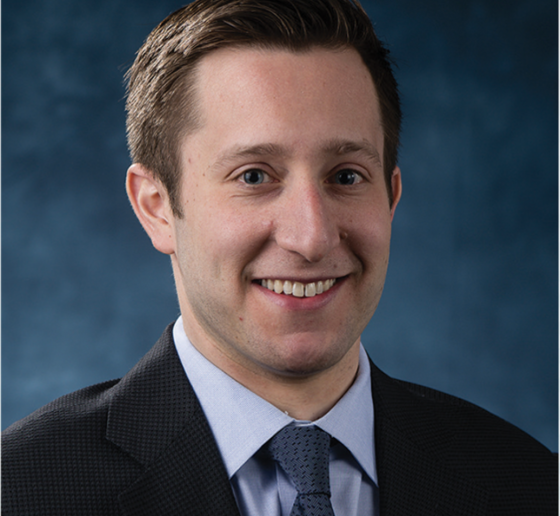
(396, 187)
(150, 202)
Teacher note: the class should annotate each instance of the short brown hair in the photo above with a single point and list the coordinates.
(161, 106)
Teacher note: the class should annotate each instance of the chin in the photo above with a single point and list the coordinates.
(304, 361)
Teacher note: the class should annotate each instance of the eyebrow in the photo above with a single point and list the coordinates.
(343, 147)
(337, 147)
(242, 151)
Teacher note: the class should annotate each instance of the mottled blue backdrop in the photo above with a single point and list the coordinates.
(470, 305)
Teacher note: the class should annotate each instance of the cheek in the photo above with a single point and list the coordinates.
(221, 242)
(369, 231)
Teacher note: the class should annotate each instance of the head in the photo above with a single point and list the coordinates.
(265, 166)
(162, 105)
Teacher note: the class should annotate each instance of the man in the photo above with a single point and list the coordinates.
(264, 137)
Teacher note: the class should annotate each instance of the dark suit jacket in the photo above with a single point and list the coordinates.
(142, 446)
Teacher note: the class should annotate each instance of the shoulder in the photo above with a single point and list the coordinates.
(427, 411)
(475, 427)
(62, 455)
(85, 409)
(53, 455)
(467, 442)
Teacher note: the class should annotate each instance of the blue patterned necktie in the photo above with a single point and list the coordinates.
(303, 453)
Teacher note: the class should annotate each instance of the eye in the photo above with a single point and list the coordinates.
(255, 176)
(347, 177)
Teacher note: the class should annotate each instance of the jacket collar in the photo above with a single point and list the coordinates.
(412, 442)
(155, 417)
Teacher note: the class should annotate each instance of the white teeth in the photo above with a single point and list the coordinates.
(297, 289)
(310, 290)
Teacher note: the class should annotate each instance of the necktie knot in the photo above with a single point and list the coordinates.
(303, 453)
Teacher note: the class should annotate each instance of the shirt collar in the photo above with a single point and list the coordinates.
(242, 421)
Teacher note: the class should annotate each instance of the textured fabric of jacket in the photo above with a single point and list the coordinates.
(142, 446)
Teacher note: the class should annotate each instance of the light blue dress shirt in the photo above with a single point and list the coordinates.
(243, 422)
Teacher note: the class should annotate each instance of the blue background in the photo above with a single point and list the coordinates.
(470, 305)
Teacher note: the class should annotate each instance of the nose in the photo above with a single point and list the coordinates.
(306, 222)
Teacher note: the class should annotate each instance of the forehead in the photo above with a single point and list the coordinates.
(291, 97)
(278, 69)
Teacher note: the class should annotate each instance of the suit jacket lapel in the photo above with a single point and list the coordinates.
(156, 418)
(411, 443)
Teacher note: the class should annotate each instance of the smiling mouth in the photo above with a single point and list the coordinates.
(297, 289)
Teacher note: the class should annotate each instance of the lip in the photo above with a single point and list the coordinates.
(301, 280)
(293, 303)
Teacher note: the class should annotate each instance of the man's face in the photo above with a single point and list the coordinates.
(282, 188)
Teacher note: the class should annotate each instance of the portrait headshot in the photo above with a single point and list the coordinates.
(280, 257)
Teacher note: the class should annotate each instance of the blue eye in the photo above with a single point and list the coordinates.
(254, 176)
(347, 177)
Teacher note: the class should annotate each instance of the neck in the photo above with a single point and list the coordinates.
(306, 397)
(311, 398)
